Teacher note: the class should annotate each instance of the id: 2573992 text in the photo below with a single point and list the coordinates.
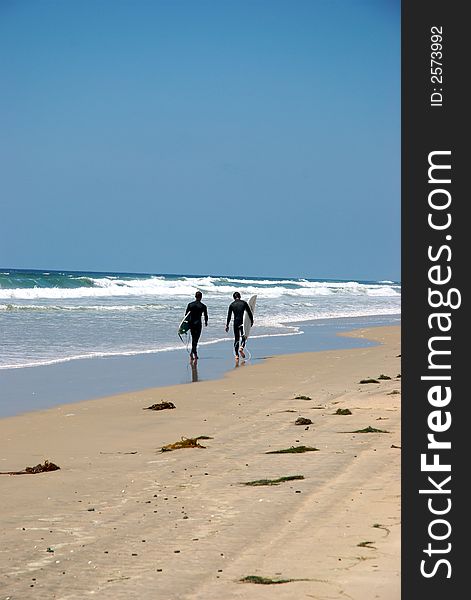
(436, 65)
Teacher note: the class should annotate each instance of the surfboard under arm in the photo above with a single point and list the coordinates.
(184, 325)
(247, 324)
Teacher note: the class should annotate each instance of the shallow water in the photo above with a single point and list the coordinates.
(49, 317)
(35, 388)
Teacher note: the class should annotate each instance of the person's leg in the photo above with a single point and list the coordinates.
(192, 333)
(236, 339)
(243, 340)
(195, 336)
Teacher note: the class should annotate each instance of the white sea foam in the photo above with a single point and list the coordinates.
(120, 315)
(165, 288)
(99, 308)
(315, 315)
(88, 355)
(117, 354)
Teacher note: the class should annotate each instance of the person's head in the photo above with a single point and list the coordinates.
(236, 296)
(198, 295)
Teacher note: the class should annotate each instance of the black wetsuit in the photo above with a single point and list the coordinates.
(196, 309)
(237, 308)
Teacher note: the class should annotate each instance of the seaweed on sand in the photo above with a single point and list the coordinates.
(185, 443)
(266, 580)
(369, 381)
(160, 406)
(343, 411)
(273, 481)
(293, 450)
(302, 398)
(47, 466)
(368, 429)
(379, 526)
(303, 421)
(365, 545)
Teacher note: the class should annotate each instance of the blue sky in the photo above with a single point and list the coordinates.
(258, 138)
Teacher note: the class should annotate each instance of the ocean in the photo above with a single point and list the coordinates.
(49, 317)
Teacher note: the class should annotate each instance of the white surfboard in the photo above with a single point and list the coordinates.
(184, 326)
(246, 323)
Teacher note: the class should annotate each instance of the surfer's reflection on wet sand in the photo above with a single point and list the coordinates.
(194, 371)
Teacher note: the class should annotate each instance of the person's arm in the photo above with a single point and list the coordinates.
(205, 312)
(247, 308)
(229, 314)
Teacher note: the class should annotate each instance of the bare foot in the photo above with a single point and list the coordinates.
(241, 352)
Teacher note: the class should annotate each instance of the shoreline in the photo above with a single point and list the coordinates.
(122, 519)
(35, 388)
(202, 343)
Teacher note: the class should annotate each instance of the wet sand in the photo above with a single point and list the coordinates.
(121, 519)
(40, 387)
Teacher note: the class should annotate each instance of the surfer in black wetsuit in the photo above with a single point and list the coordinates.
(237, 308)
(195, 311)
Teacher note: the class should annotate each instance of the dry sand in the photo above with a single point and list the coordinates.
(121, 519)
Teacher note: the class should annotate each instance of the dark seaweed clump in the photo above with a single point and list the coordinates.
(185, 443)
(160, 406)
(265, 580)
(303, 421)
(368, 430)
(47, 466)
(274, 481)
(293, 450)
(343, 411)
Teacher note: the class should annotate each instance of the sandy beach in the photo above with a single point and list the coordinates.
(122, 519)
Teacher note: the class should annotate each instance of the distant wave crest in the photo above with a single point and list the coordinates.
(167, 288)
(85, 308)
